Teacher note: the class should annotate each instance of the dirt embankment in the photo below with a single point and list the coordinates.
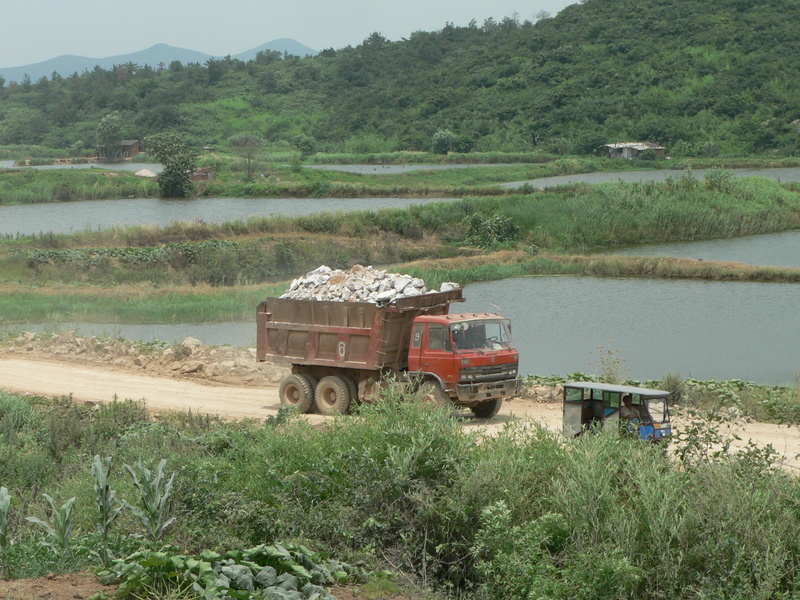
(188, 360)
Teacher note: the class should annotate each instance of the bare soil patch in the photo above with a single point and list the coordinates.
(76, 586)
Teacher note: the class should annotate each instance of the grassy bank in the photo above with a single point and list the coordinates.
(519, 515)
(277, 179)
(132, 304)
(34, 186)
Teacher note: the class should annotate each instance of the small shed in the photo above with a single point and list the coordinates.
(130, 148)
(203, 174)
(632, 150)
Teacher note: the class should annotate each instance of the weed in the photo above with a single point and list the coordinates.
(153, 499)
(106, 500)
(5, 505)
(60, 530)
(610, 366)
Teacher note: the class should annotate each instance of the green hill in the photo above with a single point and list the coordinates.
(702, 78)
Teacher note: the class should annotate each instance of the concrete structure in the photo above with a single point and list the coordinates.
(632, 150)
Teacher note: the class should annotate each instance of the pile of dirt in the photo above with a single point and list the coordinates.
(190, 358)
(359, 284)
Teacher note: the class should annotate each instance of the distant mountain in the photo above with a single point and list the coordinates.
(160, 53)
(282, 45)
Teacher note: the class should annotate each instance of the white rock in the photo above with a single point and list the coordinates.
(401, 283)
(386, 296)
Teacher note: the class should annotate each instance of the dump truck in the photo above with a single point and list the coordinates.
(341, 352)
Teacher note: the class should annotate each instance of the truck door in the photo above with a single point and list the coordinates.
(415, 348)
(438, 356)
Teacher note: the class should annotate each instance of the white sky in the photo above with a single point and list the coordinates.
(32, 31)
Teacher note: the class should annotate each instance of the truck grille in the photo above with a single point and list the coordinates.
(489, 372)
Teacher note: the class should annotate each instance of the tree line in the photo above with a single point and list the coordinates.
(703, 79)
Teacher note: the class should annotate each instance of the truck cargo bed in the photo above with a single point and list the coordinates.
(357, 335)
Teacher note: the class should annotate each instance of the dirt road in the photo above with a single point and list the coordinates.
(95, 383)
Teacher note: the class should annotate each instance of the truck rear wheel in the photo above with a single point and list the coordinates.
(488, 409)
(332, 396)
(297, 391)
(352, 388)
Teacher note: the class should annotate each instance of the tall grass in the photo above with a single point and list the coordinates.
(31, 186)
(524, 513)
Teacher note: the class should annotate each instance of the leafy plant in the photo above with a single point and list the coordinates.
(290, 572)
(105, 496)
(153, 501)
(60, 530)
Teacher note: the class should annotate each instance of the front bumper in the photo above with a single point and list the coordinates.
(479, 392)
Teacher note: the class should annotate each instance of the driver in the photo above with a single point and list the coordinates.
(628, 411)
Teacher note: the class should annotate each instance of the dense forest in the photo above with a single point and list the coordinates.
(702, 78)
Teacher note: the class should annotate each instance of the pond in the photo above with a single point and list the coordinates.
(773, 249)
(124, 166)
(71, 217)
(705, 330)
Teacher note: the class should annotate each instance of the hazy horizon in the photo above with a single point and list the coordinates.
(39, 31)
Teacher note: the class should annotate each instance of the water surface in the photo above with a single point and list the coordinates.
(706, 330)
(773, 249)
(71, 217)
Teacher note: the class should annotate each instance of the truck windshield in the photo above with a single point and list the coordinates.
(481, 335)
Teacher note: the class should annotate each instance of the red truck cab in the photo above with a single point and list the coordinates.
(471, 356)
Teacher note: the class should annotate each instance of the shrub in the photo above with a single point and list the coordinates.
(485, 231)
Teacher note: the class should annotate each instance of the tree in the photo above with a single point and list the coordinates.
(444, 141)
(108, 137)
(179, 162)
(247, 147)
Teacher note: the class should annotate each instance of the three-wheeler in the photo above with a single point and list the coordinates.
(640, 411)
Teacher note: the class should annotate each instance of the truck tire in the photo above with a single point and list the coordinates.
(297, 391)
(431, 391)
(488, 409)
(332, 396)
(352, 388)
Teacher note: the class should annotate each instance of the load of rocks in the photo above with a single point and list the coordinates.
(359, 284)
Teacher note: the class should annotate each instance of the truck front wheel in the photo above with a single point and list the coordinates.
(332, 396)
(488, 409)
(297, 391)
(432, 391)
